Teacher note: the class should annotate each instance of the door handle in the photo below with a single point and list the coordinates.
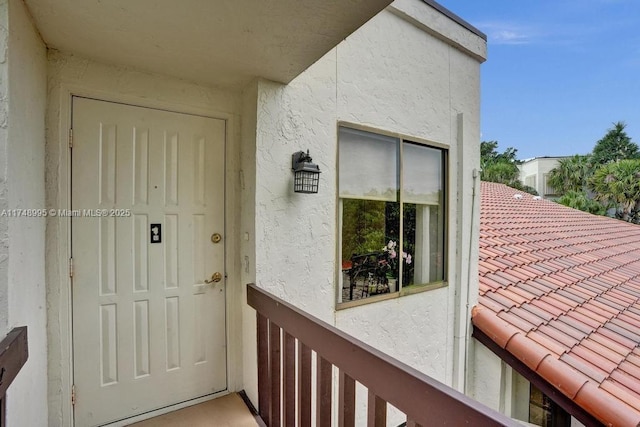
(215, 278)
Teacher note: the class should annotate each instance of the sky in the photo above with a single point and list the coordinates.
(559, 73)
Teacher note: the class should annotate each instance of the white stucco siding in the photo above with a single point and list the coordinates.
(26, 59)
(295, 233)
(248, 241)
(4, 196)
(440, 26)
(389, 75)
(410, 83)
(394, 76)
(487, 377)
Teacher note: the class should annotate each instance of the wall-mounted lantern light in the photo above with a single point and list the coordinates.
(306, 174)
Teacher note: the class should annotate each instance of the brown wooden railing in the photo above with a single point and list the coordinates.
(287, 337)
(13, 355)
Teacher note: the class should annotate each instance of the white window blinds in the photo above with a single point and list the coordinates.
(368, 165)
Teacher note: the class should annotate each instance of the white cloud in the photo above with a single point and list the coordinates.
(508, 33)
(509, 37)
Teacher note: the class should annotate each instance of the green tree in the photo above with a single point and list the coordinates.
(614, 146)
(363, 226)
(502, 172)
(571, 174)
(618, 184)
(498, 167)
(579, 200)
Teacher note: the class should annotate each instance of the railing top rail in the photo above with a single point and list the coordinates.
(426, 400)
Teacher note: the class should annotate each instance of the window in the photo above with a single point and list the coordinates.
(392, 224)
(544, 411)
(548, 190)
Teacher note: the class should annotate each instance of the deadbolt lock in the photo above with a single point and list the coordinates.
(215, 278)
(216, 237)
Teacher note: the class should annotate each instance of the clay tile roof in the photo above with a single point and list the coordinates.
(560, 290)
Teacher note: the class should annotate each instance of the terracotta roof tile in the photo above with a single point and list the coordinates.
(609, 343)
(629, 381)
(516, 321)
(500, 299)
(621, 392)
(568, 326)
(602, 350)
(512, 295)
(607, 332)
(524, 313)
(567, 340)
(593, 357)
(623, 329)
(593, 310)
(603, 307)
(544, 305)
(584, 319)
(560, 290)
(606, 407)
(582, 365)
(532, 289)
(632, 370)
(550, 344)
(491, 304)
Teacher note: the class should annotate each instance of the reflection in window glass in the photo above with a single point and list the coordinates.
(545, 412)
(392, 235)
(422, 172)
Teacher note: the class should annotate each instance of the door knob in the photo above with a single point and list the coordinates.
(215, 278)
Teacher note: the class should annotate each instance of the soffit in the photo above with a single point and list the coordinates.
(221, 42)
(560, 291)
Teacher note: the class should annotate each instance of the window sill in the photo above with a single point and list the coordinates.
(410, 290)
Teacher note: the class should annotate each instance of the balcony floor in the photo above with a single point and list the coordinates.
(229, 410)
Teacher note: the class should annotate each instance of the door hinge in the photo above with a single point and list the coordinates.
(73, 395)
(70, 137)
(70, 267)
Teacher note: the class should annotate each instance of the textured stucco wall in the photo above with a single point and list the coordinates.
(488, 377)
(26, 59)
(247, 243)
(4, 163)
(391, 75)
(69, 73)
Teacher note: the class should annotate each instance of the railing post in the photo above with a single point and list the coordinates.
(274, 347)
(289, 367)
(347, 401)
(376, 411)
(324, 380)
(304, 385)
(264, 377)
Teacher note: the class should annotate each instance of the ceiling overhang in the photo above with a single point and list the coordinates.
(220, 42)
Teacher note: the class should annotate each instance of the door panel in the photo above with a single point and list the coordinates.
(148, 332)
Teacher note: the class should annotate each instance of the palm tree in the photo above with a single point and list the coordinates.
(571, 174)
(579, 200)
(619, 183)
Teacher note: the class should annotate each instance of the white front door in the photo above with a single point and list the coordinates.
(147, 201)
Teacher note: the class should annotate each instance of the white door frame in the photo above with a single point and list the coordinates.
(58, 236)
